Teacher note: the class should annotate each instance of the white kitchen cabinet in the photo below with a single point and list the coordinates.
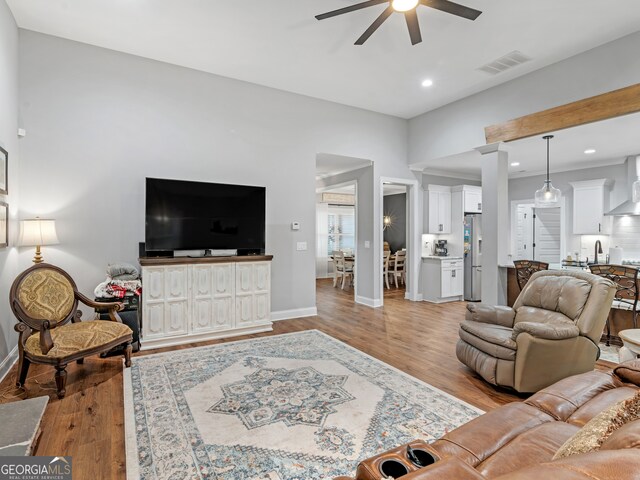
(439, 221)
(590, 202)
(188, 300)
(472, 198)
(452, 279)
(442, 279)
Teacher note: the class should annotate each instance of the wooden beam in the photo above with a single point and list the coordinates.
(594, 109)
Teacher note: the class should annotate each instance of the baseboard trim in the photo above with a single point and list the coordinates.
(8, 362)
(369, 302)
(154, 343)
(294, 313)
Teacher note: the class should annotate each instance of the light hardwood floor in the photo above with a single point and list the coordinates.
(416, 337)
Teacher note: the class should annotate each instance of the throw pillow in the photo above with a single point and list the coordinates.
(590, 437)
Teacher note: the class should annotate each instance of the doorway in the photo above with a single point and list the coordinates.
(336, 220)
(402, 229)
(394, 236)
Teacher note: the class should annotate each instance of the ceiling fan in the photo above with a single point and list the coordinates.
(408, 7)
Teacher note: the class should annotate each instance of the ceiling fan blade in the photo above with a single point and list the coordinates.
(453, 8)
(413, 25)
(375, 25)
(352, 8)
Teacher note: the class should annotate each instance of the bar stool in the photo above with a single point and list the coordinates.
(626, 280)
(526, 268)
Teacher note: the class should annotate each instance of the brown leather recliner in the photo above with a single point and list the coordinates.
(518, 441)
(551, 333)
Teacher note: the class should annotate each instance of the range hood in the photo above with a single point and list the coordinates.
(630, 207)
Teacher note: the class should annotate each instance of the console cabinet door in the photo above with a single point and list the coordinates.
(212, 289)
(202, 293)
(223, 293)
(253, 293)
(177, 300)
(153, 312)
(262, 292)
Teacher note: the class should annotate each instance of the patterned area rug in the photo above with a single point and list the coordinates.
(298, 406)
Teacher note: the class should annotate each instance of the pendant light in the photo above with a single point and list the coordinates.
(548, 196)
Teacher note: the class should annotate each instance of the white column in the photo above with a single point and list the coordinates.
(495, 220)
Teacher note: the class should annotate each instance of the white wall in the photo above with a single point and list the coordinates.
(9, 141)
(99, 121)
(459, 126)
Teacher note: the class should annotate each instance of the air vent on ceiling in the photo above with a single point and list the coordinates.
(510, 60)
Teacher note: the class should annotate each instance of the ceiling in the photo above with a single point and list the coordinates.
(279, 44)
(613, 140)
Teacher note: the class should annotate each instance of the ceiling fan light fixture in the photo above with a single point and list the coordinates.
(404, 5)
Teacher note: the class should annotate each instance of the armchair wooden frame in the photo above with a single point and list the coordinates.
(526, 268)
(28, 325)
(627, 289)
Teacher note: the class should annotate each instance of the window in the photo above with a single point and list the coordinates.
(341, 229)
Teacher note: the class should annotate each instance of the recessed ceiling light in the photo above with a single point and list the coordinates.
(590, 151)
(515, 164)
(404, 5)
(427, 83)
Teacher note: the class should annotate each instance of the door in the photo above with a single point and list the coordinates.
(524, 232)
(547, 235)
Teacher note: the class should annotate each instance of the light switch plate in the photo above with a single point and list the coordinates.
(301, 246)
(367, 244)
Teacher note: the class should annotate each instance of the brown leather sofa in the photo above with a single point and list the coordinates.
(551, 333)
(518, 441)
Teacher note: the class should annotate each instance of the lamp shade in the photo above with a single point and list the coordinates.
(37, 232)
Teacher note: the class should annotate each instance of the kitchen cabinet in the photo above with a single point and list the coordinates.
(590, 202)
(442, 279)
(452, 279)
(439, 221)
(472, 198)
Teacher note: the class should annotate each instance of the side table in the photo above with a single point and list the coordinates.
(631, 340)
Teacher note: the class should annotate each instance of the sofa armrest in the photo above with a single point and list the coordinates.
(548, 331)
(496, 315)
(628, 372)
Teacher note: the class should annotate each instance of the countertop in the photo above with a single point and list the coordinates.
(436, 257)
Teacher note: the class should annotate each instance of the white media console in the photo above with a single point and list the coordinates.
(186, 300)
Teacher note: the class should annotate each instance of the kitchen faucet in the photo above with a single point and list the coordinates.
(598, 250)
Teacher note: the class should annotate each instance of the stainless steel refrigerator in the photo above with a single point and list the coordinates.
(472, 256)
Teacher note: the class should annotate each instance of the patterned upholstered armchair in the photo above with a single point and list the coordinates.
(44, 299)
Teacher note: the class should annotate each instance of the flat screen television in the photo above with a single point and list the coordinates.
(184, 215)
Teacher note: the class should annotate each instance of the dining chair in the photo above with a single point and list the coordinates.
(526, 268)
(386, 272)
(398, 267)
(626, 298)
(341, 268)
